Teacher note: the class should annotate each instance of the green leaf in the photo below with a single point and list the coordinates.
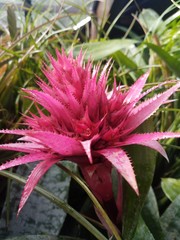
(171, 187)
(123, 59)
(150, 214)
(41, 237)
(102, 49)
(150, 20)
(143, 160)
(172, 62)
(12, 25)
(142, 231)
(170, 220)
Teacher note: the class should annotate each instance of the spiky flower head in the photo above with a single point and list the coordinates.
(86, 124)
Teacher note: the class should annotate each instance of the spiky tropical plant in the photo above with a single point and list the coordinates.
(159, 51)
(88, 125)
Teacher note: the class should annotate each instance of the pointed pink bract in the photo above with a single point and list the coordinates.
(33, 157)
(147, 108)
(136, 89)
(34, 178)
(119, 159)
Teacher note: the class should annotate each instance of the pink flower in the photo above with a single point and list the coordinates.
(88, 125)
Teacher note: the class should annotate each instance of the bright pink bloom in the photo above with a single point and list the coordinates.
(88, 125)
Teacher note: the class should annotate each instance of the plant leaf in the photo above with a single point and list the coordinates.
(145, 109)
(22, 147)
(119, 159)
(171, 187)
(12, 25)
(102, 49)
(149, 140)
(172, 62)
(151, 21)
(136, 88)
(34, 178)
(150, 214)
(144, 165)
(170, 220)
(123, 59)
(142, 231)
(33, 157)
(64, 145)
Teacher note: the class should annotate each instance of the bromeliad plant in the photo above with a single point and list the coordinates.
(83, 122)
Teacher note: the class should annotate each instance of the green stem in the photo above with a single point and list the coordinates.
(94, 200)
(60, 203)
